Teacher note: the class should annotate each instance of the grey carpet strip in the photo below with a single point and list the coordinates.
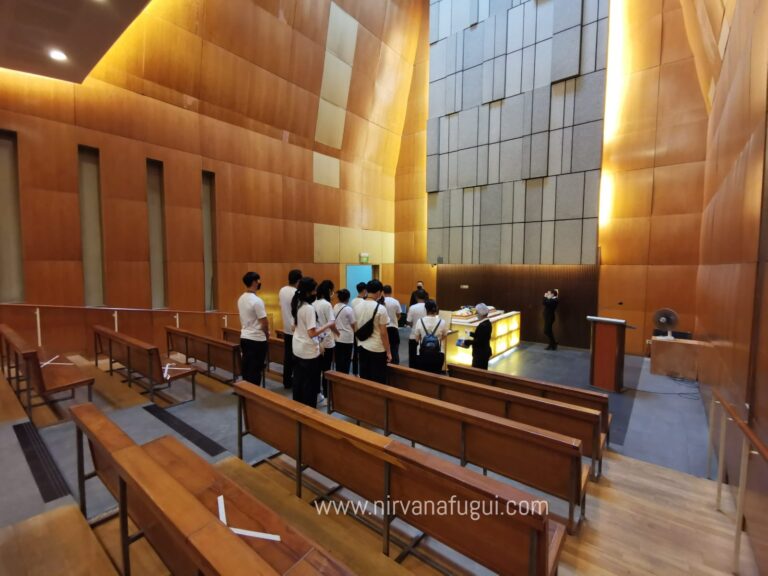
(206, 444)
(47, 475)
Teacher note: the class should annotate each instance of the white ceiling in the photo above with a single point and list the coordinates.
(83, 29)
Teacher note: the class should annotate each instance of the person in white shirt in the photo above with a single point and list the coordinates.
(374, 351)
(305, 343)
(325, 315)
(285, 296)
(415, 313)
(254, 331)
(362, 294)
(431, 325)
(393, 310)
(346, 324)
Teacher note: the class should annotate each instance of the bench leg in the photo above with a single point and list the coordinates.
(240, 427)
(194, 388)
(124, 543)
(570, 528)
(90, 392)
(81, 471)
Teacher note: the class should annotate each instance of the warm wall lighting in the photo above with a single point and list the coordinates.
(58, 55)
(616, 85)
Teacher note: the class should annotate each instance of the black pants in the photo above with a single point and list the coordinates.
(432, 364)
(306, 380)
(373, 365)
(356, 359)
(254, 354)
(548, 322)
(343, 357)
(413, 358)
(288, 362)
(326, 360)
(480, 361)
(394, 343)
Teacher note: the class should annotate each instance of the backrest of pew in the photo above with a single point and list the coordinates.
(158, 505)
(571, 395)
(359, 459)
(567, 419)
(231, 335)
(498, 444)
(142, 357)
(222, 353)
(276, 345)
(186, 535)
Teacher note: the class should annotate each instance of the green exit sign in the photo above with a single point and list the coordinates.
(363, 257)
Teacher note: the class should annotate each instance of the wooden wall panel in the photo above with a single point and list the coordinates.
(653, 174)
(231, 87)
(510, 287)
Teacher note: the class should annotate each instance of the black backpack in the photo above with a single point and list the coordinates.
(366, 330)
(430, 344)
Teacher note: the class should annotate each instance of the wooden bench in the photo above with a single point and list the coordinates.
(566, 419)
(45, 379)
(383, 470)
(213, 352)
(567, 394)
(275, 349)
(538, 458)
(171, 495)
(138, 357)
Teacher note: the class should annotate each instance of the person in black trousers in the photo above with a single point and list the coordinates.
(481, 339)
(551, 300)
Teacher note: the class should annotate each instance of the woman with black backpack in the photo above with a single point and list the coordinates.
(431, 332)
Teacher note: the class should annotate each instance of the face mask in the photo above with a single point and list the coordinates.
(258, 286)
(311, 298)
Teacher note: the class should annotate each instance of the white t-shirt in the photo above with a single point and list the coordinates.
(356, 302)
(304, 346)
(286, 296)
(324, 315)
(252, 310)
(345, 317)
(393, 309)
(374, 343)
(429, 322)
(415, 313)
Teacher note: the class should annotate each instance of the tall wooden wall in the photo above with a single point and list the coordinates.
(653, 170)
(232, 87)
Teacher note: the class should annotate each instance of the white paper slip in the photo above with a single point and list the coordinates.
(252, 534)
(222, 510)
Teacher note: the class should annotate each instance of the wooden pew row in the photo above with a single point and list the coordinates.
(566, 419)
(171, 495)
(567, 394)
(537, 458)
(213, 352)
(275, 349)
(22, 362)
(138, 357)
(383, 470)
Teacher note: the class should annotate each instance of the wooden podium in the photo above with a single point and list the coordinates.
(606, 367)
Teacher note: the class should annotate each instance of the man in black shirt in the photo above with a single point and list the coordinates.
(551, 299)
(419, 287)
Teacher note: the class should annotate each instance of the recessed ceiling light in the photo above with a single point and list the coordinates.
(57, 55)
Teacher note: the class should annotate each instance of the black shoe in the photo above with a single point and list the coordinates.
(554, 347)
(549, 347)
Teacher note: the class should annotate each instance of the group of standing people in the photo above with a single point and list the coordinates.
(361, 335)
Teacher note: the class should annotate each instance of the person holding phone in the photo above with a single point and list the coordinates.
(551, 300)
(480, 339)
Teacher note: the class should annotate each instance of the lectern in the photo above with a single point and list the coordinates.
(606, 368)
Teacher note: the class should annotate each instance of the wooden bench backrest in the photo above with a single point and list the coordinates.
(173, 521)
(220, 353)
(276, 345)
(144, 358)
(567, 419)
(28, 358)
(538, 458)
(358, 459)
(243, 510)
(570, 395)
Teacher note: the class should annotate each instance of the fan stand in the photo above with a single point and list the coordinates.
(667, 337)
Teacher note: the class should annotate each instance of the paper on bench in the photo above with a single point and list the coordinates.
(239, 531)
(252, 534)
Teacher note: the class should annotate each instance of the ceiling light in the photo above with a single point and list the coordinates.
(57, 55)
